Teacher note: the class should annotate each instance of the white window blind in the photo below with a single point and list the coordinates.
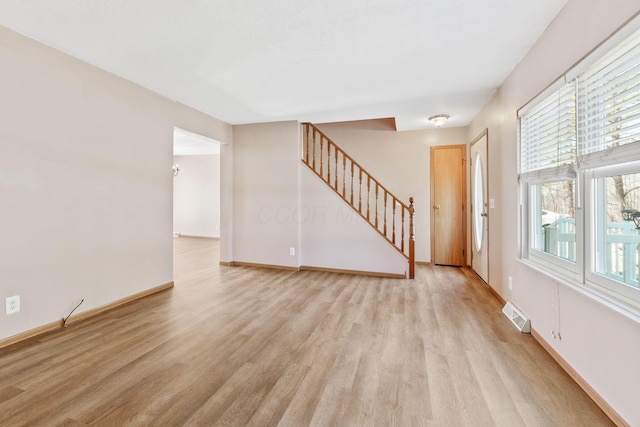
(548, 136)
(608, 100)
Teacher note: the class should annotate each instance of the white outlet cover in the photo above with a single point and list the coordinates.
(13, 304)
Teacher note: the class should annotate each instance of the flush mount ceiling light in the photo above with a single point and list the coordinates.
(439, 120)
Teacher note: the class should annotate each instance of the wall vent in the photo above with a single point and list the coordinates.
(516, 317)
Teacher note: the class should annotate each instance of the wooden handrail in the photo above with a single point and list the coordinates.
(370, 209)
(306, 125)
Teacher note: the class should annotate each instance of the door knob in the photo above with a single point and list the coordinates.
(436, 206)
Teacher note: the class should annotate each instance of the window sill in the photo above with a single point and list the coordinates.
(589, 291)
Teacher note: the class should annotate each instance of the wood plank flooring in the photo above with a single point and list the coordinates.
(244, 346)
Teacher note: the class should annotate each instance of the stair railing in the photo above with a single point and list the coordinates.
(387, 214)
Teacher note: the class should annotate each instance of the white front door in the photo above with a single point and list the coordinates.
(479, 207)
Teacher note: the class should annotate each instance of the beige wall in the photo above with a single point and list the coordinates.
(601, 343)
(333, 235)
(401, 162)
(279, 203)
(266, 193)
(85, 183)
(196, 196)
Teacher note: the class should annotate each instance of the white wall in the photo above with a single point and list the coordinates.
(85, 183)
(401, 162)
(280, 204)
(333, 235)
(602, 344)
(226, 202)
(196, 196)
(266, 158)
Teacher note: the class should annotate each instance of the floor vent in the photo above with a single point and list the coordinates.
(520, 321)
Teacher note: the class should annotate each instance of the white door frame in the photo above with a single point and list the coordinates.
(480, 258)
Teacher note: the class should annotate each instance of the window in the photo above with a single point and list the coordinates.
(548, 176)
(617, 239)
(553, 228)
(580, 172)
(613, 233)
(478, 202)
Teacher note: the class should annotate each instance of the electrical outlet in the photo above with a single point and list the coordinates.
(510, 283)
(13, 304)
(292, 251)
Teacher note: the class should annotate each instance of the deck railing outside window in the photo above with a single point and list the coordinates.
(621, 247)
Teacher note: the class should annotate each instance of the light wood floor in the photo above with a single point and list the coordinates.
(258, 347)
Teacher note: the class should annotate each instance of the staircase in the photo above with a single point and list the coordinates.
(388, 215)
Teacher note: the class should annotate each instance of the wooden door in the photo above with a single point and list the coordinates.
(448, 216)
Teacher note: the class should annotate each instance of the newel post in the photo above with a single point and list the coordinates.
(412, 241)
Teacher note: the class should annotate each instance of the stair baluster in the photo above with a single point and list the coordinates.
(351, 194)
(406, 233)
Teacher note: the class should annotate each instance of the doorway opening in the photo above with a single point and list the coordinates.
(196, 187)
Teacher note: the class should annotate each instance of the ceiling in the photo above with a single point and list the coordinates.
(320, 61)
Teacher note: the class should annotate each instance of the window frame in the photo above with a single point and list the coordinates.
(561, 266)
(586, 172)
(612, 288)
